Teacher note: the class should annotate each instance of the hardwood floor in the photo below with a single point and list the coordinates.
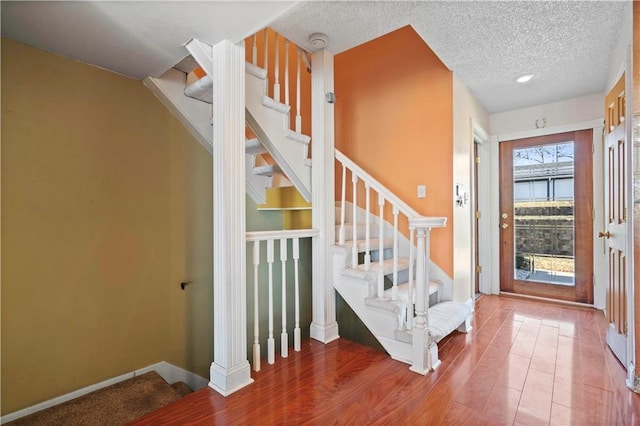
(523, 363)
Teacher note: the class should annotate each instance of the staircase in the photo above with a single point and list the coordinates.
(382, 270)
(386, 280)
(276, 156)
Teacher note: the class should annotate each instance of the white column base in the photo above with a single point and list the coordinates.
(420, 363)
(325, 333)
(434, 361)
(227, 381)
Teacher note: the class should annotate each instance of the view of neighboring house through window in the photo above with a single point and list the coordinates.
(544, 213)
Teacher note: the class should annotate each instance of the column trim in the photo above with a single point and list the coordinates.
(230, 370)
(324, 327)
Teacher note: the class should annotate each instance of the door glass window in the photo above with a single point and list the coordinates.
(543, 195)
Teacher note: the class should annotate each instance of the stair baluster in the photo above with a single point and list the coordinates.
(367, 242)
(394, 292)
(276, 70)
(286, 72)
(296, 330)
(266, 59)
(256, 309)
(354, 220)
(381, 246)
(271, 343)
(409, 319)
(343, 206)
(298, 116)
(254, 50)
(284, 337)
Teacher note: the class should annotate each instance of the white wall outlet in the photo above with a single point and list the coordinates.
(422, 191)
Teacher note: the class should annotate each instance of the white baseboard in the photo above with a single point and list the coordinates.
(169, 372)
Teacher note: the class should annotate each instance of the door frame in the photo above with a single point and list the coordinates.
(582, 290)
(491, 174)
(481, 202)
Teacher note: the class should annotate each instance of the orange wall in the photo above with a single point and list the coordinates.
(394, 118)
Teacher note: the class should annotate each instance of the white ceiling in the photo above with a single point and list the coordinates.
(134, 38)
(567, 45)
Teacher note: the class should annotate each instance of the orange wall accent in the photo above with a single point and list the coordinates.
(394, 118)
(199, 72)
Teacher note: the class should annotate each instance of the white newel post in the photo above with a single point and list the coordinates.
(230, 369)
(324, 326)
(420, 362)
(425, 351)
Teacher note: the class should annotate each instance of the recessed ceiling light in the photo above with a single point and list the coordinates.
(524, 78)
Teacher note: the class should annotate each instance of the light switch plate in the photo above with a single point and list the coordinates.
(422, 191)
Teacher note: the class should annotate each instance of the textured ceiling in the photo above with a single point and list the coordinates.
(487, 44)
(134, 38)
(568, 45)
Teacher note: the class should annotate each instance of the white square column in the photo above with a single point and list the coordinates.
(230, 369)
(324, 326)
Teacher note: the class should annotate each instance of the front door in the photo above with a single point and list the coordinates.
(616, 214)
(546, 216)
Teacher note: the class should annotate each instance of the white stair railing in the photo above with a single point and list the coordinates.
(282, 69)
(268, 240)
(414, 224)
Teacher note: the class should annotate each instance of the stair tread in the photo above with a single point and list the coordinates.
(254, 146)
(385, 304)
(201, 90)
(266, 170)
(403, 290)
(298, 137)
(387, 268)
(443, 318)
(269, 102)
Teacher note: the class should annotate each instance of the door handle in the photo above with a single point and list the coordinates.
(604, 234)
(505, 225)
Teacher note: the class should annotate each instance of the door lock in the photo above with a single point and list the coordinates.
(505, 225)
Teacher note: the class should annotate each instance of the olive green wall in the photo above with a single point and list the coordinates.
(106, 208)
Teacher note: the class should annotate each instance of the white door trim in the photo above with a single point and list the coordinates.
(493, 245)
(481, 138)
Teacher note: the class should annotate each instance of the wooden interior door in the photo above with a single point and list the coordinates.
(546, 216)
(616, 175)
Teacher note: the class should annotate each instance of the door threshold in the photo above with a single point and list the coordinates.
(546, 299)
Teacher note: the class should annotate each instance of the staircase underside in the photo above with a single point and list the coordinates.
(267, 119)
